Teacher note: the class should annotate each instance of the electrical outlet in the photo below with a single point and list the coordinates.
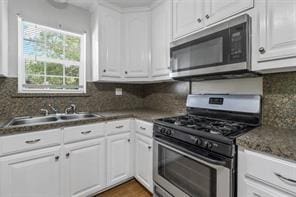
(118, 91)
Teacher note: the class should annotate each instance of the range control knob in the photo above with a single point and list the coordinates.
(162, 130)
(169, 132)
(209, 145)
(197, 141)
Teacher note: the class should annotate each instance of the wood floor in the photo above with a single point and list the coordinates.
(129, 189)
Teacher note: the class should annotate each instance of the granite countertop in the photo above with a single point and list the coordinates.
(142, 114)
(275, 141)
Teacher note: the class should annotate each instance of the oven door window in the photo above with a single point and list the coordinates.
(190, 176)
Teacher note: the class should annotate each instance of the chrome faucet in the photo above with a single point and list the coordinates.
(72, 109)
(44, 111)
(53, 109)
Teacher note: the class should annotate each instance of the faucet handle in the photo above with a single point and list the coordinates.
(73, 107)
(53, 108)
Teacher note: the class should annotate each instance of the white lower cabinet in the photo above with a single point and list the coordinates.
(85, 167)
(85, 161)
(119, 158)
(261, 175)
(143, 161)
(31, 174)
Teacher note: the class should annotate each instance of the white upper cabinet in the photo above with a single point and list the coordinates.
(188, 16)
(274, 45)
(161, 36)
(137, 44)
(106, 41)
(217, 10)
(3, 38)
(35, 173)
(192, 15)
(110, 32)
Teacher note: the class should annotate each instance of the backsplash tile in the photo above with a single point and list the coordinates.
(279, 100)
(100, 97)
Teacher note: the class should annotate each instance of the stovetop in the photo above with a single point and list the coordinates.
(207, 125)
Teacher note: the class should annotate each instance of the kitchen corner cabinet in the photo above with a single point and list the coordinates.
(3, 38)
(136, 44)
(119, 158)
(192, 15)
(35, 173)
(274, 46)
(85, 167)
(161, 37)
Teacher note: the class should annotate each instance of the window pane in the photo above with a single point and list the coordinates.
(34, 67)
(57, 81)
(72, 71)
(55, 45)
(71, 81)
(54, 69)
(72, 48)
(35, 80)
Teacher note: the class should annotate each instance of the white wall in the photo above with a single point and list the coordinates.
(229, 86)
(72, 19)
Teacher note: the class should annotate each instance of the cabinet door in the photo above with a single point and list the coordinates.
(3, 38)
(161, 40)
(118, 158)
(85, 167)
(31, 174)
(137, 44)
(143, 152)
(109, 42)
(276, 30)
(187, 16)
(217, 10)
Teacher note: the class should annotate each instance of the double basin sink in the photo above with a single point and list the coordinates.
(25, 121)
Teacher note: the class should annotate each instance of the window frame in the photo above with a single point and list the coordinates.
(21, 62)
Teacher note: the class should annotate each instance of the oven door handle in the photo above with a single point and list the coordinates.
(200, 158)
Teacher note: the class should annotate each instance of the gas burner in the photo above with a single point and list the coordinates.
(204, 124)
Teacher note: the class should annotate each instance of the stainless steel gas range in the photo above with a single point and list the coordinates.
(196, 154)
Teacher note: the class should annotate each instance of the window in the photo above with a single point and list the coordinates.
(50, 60)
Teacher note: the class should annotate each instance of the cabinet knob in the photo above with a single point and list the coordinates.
(262, 50)
(68, 155)
(149, 147)
(56, 158)
(199, 20)
(104, 70)
(207, 16)
(125, 72)
(129, 140)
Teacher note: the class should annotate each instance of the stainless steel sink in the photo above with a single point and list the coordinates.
(77, 116)
(30, 121)
(25, 121)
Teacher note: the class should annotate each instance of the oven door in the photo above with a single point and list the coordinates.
(182, 174)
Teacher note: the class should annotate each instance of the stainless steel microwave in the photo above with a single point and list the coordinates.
(221, 51)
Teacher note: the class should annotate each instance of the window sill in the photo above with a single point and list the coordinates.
(34, 95)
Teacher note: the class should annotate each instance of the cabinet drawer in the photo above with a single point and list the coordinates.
(260, 190)
(144, 128)
(119, 126)
(277, 172)
(84, 132)
(29, 141)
